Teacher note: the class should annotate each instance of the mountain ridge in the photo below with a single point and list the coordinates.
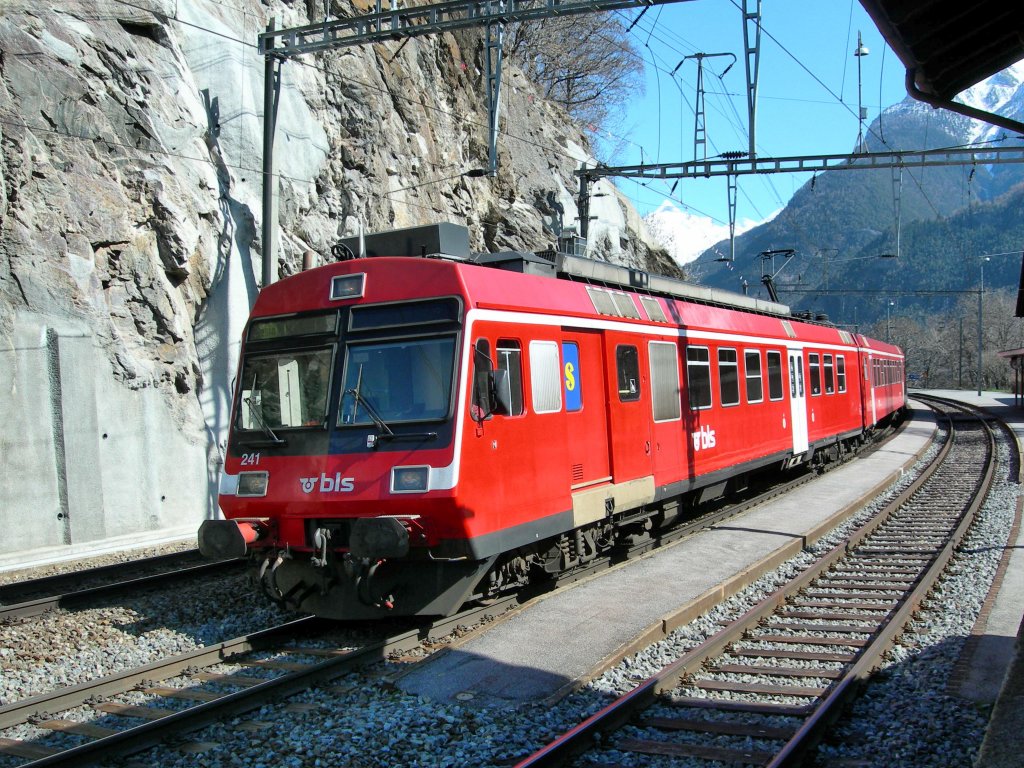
(936, 219)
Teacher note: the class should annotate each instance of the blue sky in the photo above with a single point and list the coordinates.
(807, 96)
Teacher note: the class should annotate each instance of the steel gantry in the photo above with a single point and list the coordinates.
(395, 23)
(731, 167)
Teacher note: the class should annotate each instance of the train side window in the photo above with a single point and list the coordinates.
(814, 363)
(664, 381)
(627, 365)
(841, 372)
(729, 376)
(830, 377)
(545, 377)
(775, 375)
(510, 358)
(698, 376)
(752, 370)
(482, 366)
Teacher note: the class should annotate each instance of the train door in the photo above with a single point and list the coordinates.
(870, 380)
(797, 401)
(585, 394)
(667, 430)
(629, 408)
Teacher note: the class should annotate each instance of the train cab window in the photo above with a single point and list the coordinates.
(752, 371)
(728, 377)
(627, 366)
(664, 381)
(285, 389)
(395, 381)
(545, 377)
(830, 376)
(774, 375)
(510, 358)
(698, 376)
(814, 364)
(841, 372)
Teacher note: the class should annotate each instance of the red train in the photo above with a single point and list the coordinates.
(413, 432)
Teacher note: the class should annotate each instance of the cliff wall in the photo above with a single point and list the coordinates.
(130, 246)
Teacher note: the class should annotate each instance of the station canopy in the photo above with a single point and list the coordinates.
(949, 45)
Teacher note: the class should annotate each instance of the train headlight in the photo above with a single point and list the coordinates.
(410, 479)
(252, 483)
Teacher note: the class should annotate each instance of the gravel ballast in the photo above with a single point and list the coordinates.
(907, 714)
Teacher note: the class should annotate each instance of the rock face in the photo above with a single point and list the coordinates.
(130, 213)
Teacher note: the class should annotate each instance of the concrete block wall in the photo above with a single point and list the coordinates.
(86, 463)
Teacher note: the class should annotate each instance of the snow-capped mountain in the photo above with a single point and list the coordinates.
(1002, 94)
(850, 210)
(687, 235)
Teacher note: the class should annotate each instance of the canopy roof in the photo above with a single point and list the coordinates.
(949, 45)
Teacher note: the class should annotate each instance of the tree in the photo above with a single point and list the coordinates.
(942, 349)
(586, 63)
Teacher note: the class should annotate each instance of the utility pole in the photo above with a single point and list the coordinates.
(271, 99)
(699, 127)
(981, 326)
(752, 57)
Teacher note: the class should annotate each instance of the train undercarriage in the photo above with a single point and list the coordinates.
(343, 585)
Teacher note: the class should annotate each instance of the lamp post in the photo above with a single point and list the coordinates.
(981, 290)
(860, 53)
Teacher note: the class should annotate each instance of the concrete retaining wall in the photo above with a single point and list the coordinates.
(88, 463)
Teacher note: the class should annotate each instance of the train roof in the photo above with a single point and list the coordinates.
(542, 285)
(451, 241)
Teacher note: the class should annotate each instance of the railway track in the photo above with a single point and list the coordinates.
(762, 689)
(31, 598)
(713, 514)
(138, 708)
(135, 709)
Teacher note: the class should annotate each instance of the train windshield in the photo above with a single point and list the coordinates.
(285, 390)
(397, 381)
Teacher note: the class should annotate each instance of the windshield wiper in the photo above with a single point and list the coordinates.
(257, 413)
(386, 432)
(370, 410)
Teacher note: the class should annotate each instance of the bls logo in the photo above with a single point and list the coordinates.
(336, 484)
(703, 438)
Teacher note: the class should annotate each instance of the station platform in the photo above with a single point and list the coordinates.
(995, 671)
(547, 646)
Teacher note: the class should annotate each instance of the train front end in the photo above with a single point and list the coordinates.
(340, 476)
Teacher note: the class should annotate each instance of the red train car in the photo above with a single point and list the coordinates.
(410, 433)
